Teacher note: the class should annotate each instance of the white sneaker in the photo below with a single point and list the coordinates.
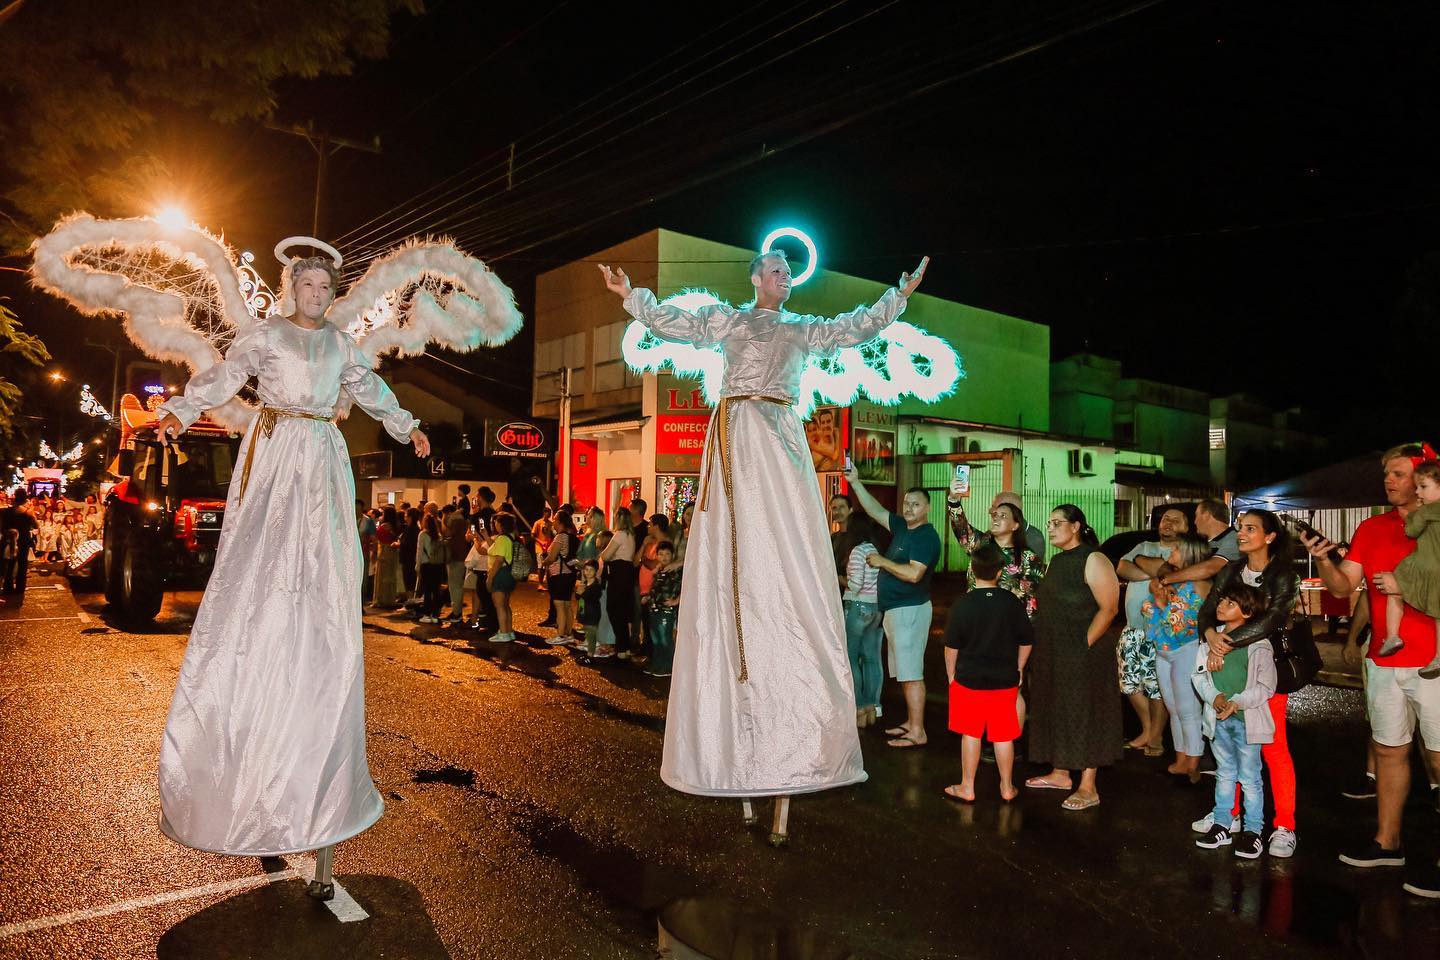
(1204, 824)
(1282, 842)
(558, 640)
(502, 638)
(429, 620)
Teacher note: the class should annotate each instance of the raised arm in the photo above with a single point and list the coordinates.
(377, 399)
(210, 388)
(868, 503)
(827, 337)
(703, 327)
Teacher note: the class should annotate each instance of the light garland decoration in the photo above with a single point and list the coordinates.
(47, 452)
(93, 407)
(903, 360)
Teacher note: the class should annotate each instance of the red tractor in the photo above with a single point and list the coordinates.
(163, 517)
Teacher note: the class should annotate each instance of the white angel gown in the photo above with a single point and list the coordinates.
(264, 749)
(790, 726)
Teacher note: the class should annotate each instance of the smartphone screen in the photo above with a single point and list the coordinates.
(962, 479)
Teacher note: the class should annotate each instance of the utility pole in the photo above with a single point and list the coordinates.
(563, 473)
(114, 390)
(324, 145)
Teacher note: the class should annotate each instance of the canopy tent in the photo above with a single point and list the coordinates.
(1352, 483)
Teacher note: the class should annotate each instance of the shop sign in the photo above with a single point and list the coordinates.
(679, 442)
(517, 438)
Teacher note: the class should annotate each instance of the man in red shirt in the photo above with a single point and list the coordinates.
(1397, 699)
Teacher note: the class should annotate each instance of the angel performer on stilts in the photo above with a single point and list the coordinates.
(264, 746)
(761, 697)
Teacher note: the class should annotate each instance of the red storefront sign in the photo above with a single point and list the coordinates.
(518, 439)
(679, 442)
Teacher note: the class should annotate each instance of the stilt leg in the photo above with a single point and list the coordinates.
(780, 829)
(323, 886)
(748, 809)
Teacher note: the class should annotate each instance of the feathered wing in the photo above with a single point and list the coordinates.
(422, 293)
(177, 289)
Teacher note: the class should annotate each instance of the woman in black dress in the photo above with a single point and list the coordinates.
(1075, 713)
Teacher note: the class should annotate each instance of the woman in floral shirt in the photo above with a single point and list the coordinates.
(1023, 569)
(1171, 625)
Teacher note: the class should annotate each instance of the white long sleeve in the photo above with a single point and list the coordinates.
(210, 388)
(827, 337)
(374, 395)
(705, 327)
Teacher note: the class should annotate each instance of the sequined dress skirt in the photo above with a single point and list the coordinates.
(790, 727)
(264, 747)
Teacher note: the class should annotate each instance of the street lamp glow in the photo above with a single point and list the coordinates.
(804, 238)
(57, 376)
(173, 217)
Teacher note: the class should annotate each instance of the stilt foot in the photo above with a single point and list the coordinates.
(779, 840)
(748, 809)
(320, 891)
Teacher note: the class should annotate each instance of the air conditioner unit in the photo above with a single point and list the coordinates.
(1082, 462)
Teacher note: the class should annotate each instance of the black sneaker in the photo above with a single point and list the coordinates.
(1374, 855)
(1361, 788)
(1215, 838)
(1248, 845)
(1426, 884)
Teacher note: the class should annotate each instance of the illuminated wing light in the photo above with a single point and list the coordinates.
(903, 360)
(646, 353)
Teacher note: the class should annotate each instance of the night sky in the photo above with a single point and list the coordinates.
(1226, 195)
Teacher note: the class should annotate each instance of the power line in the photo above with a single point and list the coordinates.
(365, 230)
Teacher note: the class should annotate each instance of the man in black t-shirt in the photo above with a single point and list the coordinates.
(17, 517)
(987, 641)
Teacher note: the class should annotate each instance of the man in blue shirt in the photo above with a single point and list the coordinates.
(904, 593)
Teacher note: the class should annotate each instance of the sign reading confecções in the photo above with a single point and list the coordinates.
(516, 438)
(679, 442)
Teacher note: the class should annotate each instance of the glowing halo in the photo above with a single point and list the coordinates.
(804, 238)
(289, 242)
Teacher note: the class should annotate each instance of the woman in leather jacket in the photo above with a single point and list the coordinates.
(1264, 563)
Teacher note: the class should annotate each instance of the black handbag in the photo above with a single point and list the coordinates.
(1297, 659)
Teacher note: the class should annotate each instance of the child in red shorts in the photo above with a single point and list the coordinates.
(987, 641)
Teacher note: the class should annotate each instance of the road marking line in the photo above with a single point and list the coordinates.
(141, 903)
(344, 907)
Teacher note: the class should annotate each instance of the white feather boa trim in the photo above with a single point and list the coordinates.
(154, 320)
(481, 310)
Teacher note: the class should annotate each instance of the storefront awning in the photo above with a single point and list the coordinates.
(607, 427)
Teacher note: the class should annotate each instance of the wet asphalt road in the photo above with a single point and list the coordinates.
(525, 818)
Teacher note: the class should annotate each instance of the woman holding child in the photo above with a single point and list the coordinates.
(1266, 565)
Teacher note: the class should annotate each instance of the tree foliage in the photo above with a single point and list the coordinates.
(18, 350)
(82, 80)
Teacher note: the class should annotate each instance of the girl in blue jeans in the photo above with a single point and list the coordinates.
(1238, 721)
(1172, 624)
(864, 628)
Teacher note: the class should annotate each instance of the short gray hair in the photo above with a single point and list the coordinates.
(762, 257)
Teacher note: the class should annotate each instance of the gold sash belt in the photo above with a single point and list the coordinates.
(717, 446)
(265, 423)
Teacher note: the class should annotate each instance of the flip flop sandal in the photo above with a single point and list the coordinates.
(955, 797)
(896, 732)
(1074, 802)
(1153, 751)
(904, 743)
(1040, 783)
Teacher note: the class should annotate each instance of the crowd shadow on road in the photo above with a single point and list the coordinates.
(278, 922)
